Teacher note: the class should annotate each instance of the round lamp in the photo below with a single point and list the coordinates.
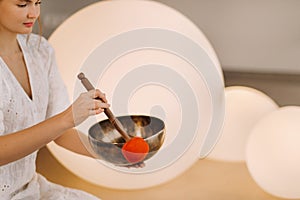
(244, 106)
(149, 60)
(273, 152)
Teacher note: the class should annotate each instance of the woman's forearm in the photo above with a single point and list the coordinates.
(22, 143)
(73, 142)
(17, 145)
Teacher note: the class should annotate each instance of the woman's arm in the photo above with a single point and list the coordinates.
(22, 143)
(71, 141)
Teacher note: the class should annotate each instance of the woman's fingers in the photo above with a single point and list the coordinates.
(88, 104)
(96, 111)
(98, 105)
(97, 94)
(98, 108)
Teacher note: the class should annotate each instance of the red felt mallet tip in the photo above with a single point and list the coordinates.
(135, 150)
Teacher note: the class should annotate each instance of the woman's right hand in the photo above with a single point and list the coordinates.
(86, 105)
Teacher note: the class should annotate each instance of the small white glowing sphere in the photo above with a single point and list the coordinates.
(244, 106)
(273, 153)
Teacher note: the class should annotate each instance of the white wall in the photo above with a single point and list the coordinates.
(248, 35)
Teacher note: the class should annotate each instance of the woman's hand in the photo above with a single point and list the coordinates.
(87, 104)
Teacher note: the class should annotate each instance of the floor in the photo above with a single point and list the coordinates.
(206, 179)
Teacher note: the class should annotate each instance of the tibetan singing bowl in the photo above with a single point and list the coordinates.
(107, 142)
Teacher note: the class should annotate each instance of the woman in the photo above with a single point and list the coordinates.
(34, 107)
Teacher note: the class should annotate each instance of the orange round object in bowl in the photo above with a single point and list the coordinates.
(135, 150)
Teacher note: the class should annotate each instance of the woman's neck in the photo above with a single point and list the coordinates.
(8, 44)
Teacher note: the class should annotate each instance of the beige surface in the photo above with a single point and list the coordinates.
(207, 180)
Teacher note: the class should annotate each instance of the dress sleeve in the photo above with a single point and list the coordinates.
(1, 106)
(58, 95)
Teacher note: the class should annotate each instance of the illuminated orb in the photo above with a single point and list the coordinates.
(244, 106)
(273, 152)
(137, 49)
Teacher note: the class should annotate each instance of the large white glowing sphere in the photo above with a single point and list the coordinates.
(244, 106)
(273, 153)
(181, 82)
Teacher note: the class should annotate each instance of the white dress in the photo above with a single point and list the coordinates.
(19, 180)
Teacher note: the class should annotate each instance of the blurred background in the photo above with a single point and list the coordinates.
(258, 45)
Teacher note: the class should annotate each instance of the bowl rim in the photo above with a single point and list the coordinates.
(162, 130)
